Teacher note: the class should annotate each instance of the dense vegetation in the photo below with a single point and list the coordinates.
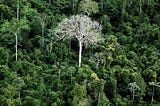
(36, 69)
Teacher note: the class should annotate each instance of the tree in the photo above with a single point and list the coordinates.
(6, 12)
(154, 84)
(18, 83)
(42, 18)
(59, 6)
(88, 7)
(95, 59)
(82, 28)
(10, 92)
(133, 87)
(79, 93)
(15, 27)
(98, 85)
(74, 6)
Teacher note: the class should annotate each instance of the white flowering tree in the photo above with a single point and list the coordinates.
(82, 28)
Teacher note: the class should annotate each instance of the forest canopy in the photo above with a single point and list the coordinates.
(79, 52)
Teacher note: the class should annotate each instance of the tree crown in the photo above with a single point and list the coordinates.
(80, 27)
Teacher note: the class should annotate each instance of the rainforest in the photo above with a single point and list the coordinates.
(79, 53)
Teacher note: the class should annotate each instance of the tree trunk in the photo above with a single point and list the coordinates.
(16, 46)
(18, 10)
(101, 5)
(49, 1)
(51, 46)
(71, 78)
(18, 31)
(97, 63)
(42, 29)
(19, 94)
(152, 94)
(59, 74)
(80, 52)
(140, 7)
(133, 99)
(42, 35)
(99, 96)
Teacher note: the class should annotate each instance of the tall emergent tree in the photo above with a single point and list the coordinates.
(15, 27)
(42, 17)
(16, 34)
(88, 7)
(82, 28)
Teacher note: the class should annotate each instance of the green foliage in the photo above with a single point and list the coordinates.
(88, 7)
(140, 82)
(123, 70)
(101, 99)
(6, 12)
(133, 87)
(15, 26)
(79, 93)
(18, 83)
(4, 55)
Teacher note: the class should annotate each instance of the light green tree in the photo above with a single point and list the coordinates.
(88, 7)
(10, 92)
(133, 87)
(79, 95)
